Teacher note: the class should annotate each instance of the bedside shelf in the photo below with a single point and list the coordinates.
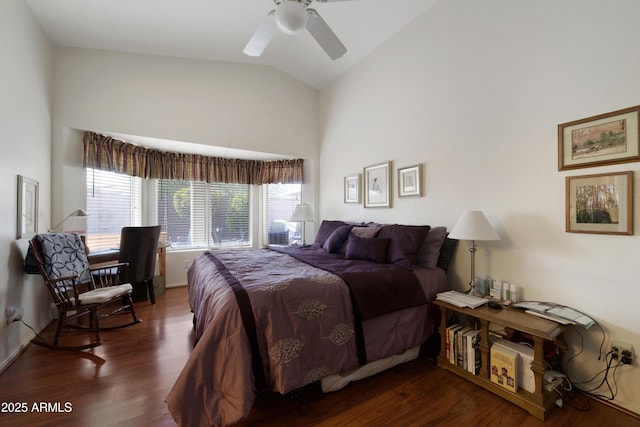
(540, 401)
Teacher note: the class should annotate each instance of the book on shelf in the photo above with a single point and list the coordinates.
(504, 365)
(526, 379)
(450, 353)
(459, 341)
(473, 361)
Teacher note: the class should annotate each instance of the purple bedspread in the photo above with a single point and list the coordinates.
(376, 289)
(304, 327)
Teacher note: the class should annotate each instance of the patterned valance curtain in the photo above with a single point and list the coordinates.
(111, 154)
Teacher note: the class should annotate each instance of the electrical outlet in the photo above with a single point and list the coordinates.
(14, 314)
(622, 352)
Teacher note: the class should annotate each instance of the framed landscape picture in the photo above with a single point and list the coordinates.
(600, 140)
(601, 203)
(377, 188)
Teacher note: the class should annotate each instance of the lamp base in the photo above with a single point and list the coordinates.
(474, 292)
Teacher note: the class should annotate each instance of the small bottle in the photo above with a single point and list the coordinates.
(513, 293)
(506, 289)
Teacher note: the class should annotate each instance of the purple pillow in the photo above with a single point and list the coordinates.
(336, 240)
(325, 230)
(405, 242)
(430, 248)
(374, 249)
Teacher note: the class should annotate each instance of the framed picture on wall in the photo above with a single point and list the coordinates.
(600, 140)
(352, 188)
(377, 188)
(27, 207)
(410, 181)
(601, 203)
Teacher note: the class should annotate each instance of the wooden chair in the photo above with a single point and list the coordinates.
(138, 249)
(79, 293)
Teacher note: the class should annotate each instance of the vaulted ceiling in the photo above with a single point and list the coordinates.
(219, 30)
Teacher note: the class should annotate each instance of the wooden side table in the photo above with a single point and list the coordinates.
(540, 401)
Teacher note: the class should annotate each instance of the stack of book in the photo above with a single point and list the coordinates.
(461, 348)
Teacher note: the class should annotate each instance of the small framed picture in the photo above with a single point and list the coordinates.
(352, 188)
(410, 181)
(601, 203)
(27, 207)
(606, 139)
(377, 188)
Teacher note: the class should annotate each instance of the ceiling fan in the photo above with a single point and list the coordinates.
(291, 17)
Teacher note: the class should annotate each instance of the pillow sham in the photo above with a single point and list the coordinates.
(337, 239)
(326, 228)
(430, 249)
(447, 251)
(405, 241)
(367, 249)
(366, 232)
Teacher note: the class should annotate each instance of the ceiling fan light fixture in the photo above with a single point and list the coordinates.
(291, 17)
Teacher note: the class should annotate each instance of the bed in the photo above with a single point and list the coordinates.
(356, 301)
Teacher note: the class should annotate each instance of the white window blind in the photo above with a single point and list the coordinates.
(113, 202)
(280, 201)
(199, 214)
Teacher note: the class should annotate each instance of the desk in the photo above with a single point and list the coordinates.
(109, 255)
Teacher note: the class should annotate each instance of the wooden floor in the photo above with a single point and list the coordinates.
(124, 383)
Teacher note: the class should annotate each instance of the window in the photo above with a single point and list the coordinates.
(200, 214)
(113, 202)
(280, 201)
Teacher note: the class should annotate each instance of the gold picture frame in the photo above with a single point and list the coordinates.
(600, 203)
(27, 207)
(605, 139)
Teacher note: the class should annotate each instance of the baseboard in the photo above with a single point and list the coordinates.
(14, 356)
(615, 406)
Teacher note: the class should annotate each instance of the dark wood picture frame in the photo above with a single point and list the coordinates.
(605, 139)
(600, 203)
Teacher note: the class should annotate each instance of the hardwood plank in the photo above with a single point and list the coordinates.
(124, 382)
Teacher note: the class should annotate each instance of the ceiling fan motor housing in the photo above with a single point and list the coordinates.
(291, 16)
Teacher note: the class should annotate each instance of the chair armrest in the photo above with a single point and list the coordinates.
(117, 265)
(106, 275)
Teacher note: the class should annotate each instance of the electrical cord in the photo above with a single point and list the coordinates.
(37, 335)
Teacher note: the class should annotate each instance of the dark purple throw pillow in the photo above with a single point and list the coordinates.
(336, 240)
(326, 228)
(368, 249)
(405, 242)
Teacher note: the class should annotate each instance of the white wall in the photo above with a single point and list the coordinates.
(204, 102)
(25, 142)
(475, 91)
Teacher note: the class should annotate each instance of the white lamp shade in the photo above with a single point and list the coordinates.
(291, 17)
(302, 213)
(473, 225)
(79, 212)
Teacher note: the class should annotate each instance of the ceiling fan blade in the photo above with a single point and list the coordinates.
(325, 37)
(262, 36)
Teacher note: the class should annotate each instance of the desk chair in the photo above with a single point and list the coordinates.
(138, 249)
(77, 290)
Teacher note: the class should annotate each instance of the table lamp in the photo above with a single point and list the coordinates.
(79, 212)
(473, 225)
(302, 213)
